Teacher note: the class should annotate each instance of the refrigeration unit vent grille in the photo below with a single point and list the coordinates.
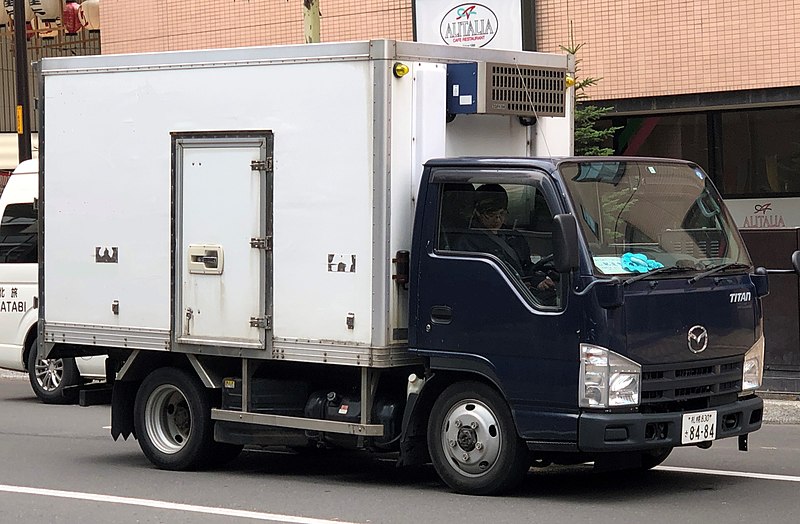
(525, 90)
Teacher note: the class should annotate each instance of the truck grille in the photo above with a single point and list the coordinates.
(695, 385)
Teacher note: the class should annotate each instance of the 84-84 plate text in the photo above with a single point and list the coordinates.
(698, 427)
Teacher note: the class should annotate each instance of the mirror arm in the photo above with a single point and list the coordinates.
(593, 283)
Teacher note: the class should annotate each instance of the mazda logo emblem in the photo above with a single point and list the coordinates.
(698, 339)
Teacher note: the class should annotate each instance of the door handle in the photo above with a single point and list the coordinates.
(209, 260)
(441, 314)
(205, 259)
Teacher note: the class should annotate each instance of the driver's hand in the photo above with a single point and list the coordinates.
(546, 284)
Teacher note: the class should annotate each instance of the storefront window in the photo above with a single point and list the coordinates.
(760, 152)
(757, 152)
(670, 136)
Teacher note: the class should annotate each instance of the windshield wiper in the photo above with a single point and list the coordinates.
(715, 269)
(666, 269)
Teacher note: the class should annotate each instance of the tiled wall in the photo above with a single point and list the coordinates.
(168, 25)
(638, 47)
(660, 47)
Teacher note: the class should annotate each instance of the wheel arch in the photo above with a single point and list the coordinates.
(123, 395)
(30, 336)
(443, 373)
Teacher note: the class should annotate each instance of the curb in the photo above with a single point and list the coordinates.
(777, 411)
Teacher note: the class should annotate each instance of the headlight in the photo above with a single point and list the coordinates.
(753, 369)
(607, 379)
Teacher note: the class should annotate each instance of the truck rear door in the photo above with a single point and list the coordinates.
(221, 239)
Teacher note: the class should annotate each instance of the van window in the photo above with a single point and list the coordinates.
(18, 235)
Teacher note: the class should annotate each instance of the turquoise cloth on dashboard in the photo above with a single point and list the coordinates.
(639, 263)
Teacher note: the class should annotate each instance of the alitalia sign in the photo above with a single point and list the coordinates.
(469, 25)
(493, 24)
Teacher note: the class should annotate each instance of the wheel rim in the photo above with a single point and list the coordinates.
(471, 438)
(168, 419)
(49, 373)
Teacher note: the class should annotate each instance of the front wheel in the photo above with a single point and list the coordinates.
(473, 441)
(50, 377)
(651, 459)
(172, 418)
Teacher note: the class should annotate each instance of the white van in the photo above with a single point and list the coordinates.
(19, 296)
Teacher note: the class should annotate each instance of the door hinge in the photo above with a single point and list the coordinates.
(262, 165)
(261, 322)
(261, 243)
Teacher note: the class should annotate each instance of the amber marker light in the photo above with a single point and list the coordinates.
(400, 70)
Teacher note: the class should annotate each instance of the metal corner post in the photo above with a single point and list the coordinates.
(381, 184)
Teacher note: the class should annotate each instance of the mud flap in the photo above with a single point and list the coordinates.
(123, 397)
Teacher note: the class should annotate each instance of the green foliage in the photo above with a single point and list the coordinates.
(588, 138)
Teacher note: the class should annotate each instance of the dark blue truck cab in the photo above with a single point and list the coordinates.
(578, 309)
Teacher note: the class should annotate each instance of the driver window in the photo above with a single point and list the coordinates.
(510, 223)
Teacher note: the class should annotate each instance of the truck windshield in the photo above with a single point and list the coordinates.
(641, 216)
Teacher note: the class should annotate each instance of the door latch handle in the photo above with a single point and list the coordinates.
(205, 259)
(441, 314)
(209, 261)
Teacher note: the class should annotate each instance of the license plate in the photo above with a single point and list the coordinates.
(699, 427)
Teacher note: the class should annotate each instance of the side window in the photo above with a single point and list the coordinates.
(18, 235)
(512, 224)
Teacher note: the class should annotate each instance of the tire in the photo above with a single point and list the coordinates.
(472, 420)
(651, 459)
(51, 377)
(172, 419)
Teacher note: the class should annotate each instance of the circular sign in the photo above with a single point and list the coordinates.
(468, 25)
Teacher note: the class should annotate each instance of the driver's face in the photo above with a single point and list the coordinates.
(493, 219)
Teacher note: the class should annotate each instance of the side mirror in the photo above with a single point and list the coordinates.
(796, 261)
(565, 243)
(760, 281)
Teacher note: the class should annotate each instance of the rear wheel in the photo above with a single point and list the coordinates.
(172, 418)
(473, 441)
(50, 377)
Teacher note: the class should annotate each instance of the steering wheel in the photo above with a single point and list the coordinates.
(541, 263)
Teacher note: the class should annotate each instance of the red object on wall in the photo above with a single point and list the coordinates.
(71, 17)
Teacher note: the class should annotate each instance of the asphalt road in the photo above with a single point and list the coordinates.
(59, 464)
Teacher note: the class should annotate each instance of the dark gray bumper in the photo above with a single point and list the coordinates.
(606, 432)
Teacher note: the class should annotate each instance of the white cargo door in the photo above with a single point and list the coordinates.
(222, 241)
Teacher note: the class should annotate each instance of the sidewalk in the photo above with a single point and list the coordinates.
(781, 409)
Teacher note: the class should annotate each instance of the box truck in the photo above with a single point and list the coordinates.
(54, 381)
(351, 246)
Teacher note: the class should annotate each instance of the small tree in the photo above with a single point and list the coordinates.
(588, 138)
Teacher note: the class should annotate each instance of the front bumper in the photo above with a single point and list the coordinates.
(608, 432)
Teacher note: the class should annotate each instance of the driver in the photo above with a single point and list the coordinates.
(492, 235)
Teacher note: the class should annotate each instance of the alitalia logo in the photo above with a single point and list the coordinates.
(468, 25)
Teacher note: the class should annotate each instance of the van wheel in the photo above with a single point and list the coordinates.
(172, 419)
(473, 441)
(651, 459)
(49, 377)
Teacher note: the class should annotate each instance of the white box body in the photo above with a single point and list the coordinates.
(347, 143)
